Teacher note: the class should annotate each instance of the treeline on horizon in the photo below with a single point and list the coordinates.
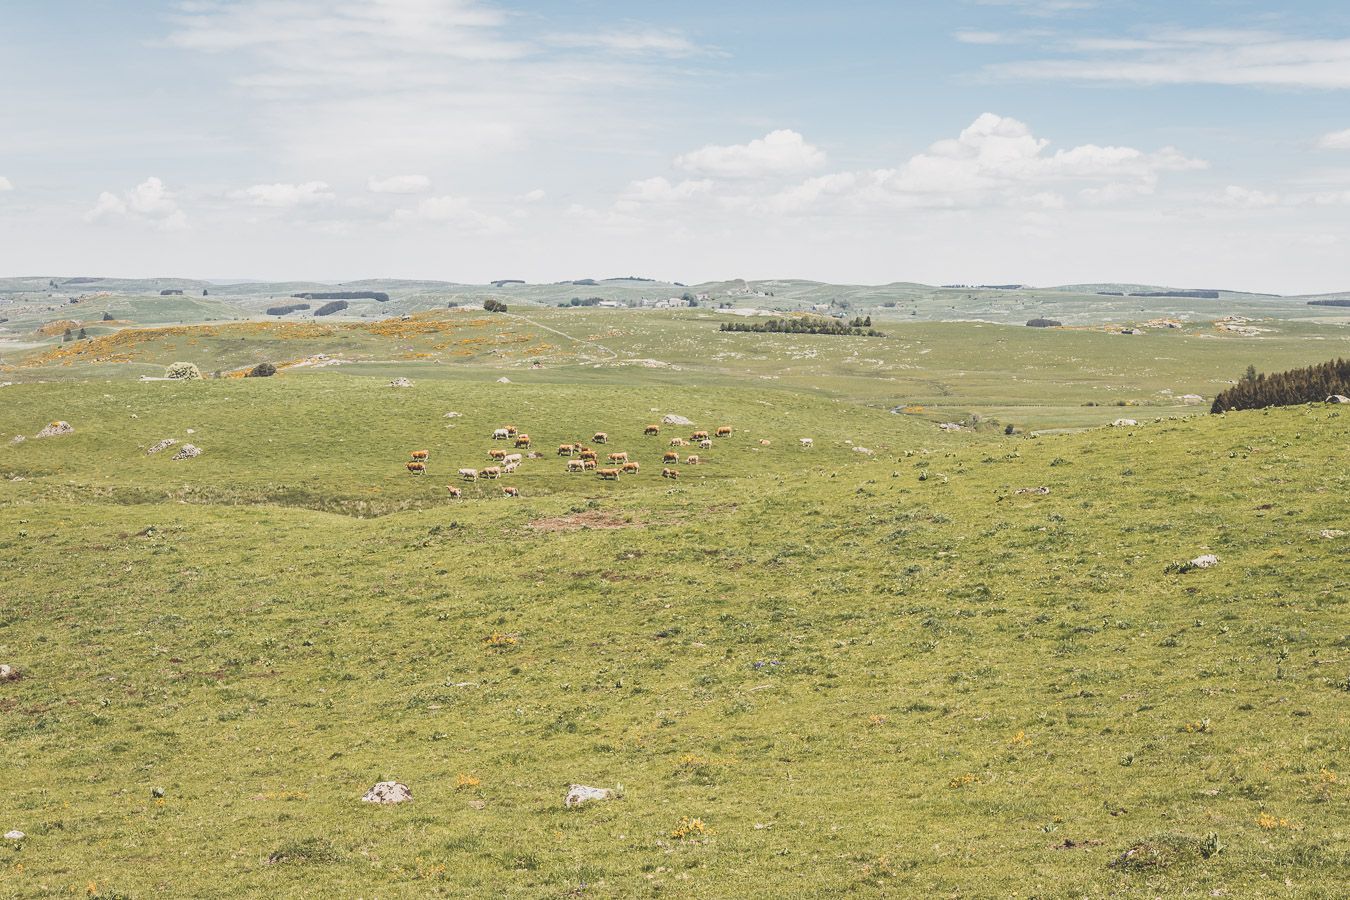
(859, 327)
(1334, 301)
(381, 296)
(1309, 385)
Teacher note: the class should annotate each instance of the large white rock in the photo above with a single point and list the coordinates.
(672, 419)
(388, 792)
(1208, 561)
(54, 429)
(8, 673)
(15, 835)
(1124, 423)
(188, 451)
(578, 794)
(400, 382)
(160, 445)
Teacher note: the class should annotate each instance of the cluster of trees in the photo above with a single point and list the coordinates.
(492, 305)
(1257, 391)
(1044, 323)
(806, 325)
(1334, 301)
(69, 336)
(585, 301)
(329, 308)
(1189, 295)
(286, 309)
(380, 296)
(262, 370)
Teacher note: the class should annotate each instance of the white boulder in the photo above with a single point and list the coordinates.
(578, 794)
(387, 792)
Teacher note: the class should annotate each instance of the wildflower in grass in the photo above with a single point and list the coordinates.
(963, 780)
(1020, 739)
(1201, 726)
(876, 721)
(1269, 822)
(1328, 776)
(463, 781)
(499, 640)
(690, 828)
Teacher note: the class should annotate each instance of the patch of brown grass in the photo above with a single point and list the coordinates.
(592, 519)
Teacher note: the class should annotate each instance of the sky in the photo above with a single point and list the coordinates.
(1188, 143)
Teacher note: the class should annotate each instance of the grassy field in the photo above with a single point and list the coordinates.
(813, 672)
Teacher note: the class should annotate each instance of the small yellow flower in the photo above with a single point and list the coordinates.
(689, 827)
(463, 781)
(876, 720)
(1328, 776)
(963, 780)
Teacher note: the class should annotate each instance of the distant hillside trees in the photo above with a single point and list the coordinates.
(1334, 301)
(287, 309)
(492, 305)
(1044, 323)
(329, 308)
(1296, 386)
(806, 325)
(107, 316)
(379, 296)
(1189, 295)
(262, 370)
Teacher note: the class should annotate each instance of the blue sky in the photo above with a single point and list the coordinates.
(1041, 141)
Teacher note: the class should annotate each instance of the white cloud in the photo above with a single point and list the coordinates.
(285, 196)
(1336, 140)
(1247, 198)
(455, 212)
(5, 184)
(782, 152)
(399, 184)
(535, 195)
(1043, 8)
(660, 190)
(1195, 56)
(149, 203)
(634, 41)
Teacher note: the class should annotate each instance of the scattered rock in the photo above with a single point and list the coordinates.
(1071, 844)
(672, 419)
(477, 804)
(160, 445)
(1124, 423)
(1338, 398)
(503, 380)
(188, 451)
(1330, 533)
(451, 415)
(15, 835)
(1208, 561)
(1192, 398)
(387, 792)
(9, 673)
(950, 426)
(17, 439)
(157, 793)
(862, 450)
(1038, 491)
(400, 382)
(578, 794)
(54, 429)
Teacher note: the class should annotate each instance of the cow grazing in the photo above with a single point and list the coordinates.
(724, 431)
(600, 437)
(705, 445)
(510, 492)
(501, 434)
(619, 457)
(589, 454)
(608, 474)
(522, 441)
(468, 474)
(511, 431)
(652, 430)
(510, 468)
(497, 454)
(576, 465)
(671, 457)
(670, 473)
(420, 455)
(455, 493)
(417, 468)
(491, 472)
(630, 468)
(699, 436)
(692, 460)
(512, 458)
(588, 464)
(566, 449)
(678, 442)
(806, 443)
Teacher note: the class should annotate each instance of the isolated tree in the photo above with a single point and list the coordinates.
(262, 370)
(67, 336)
(83, 336)
(107, 316)
(1250, 374)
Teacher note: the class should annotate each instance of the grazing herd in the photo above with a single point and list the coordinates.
(580, 457)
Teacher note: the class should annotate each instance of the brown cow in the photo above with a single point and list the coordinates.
(724, 431)
(670, 473)
(600, 437)
(417, 468)
(671, 457)
(765, 443)
(692, 460)
(522, 440)
(420, 455)
(619, 457)
(611, 474)
(576, 465)
(589, 464)
(455, 493)
(652, 430)
(705, 444)
(699, 436)
(589, 454)
(511, 491)
(511, 430)
(630, 468)
(678, 442)
(496, 454)
(491, 472)
(566, 449)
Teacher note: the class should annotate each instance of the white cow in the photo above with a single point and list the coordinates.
(512, 458)
(469, 474)
(501, 434)
(807, 443)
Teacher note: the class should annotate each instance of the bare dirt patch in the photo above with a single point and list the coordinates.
(592, 519)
